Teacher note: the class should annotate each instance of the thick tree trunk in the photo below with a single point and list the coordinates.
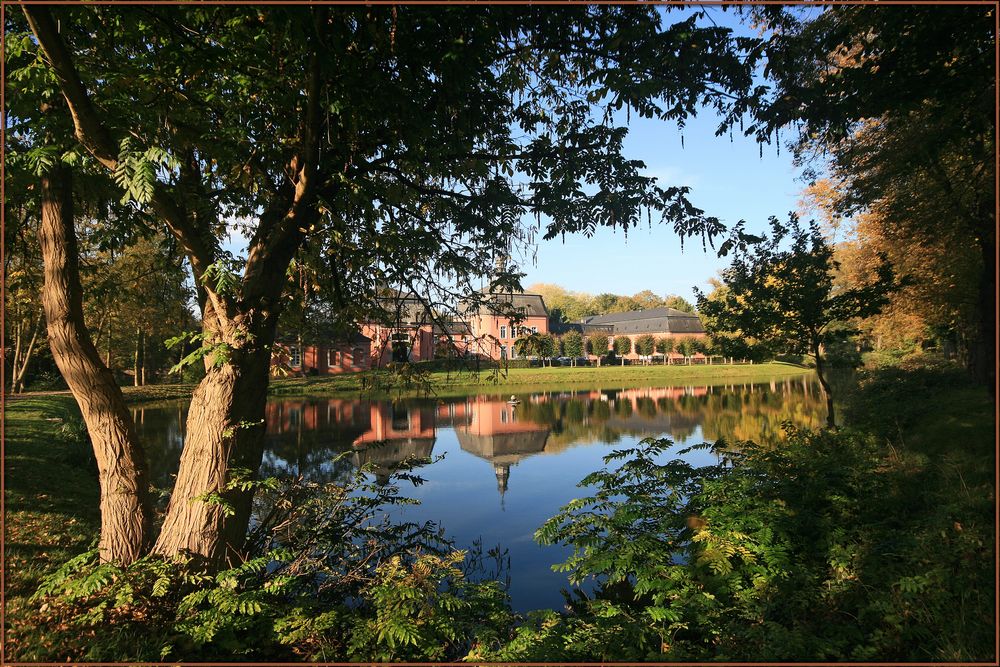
(225, 434)
(125, 506)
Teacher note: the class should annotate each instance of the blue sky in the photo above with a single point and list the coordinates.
(730, 180)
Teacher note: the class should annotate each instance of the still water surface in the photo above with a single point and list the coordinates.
(505, 468)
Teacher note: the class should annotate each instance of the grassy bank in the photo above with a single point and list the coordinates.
(383, 384)
(462, 383)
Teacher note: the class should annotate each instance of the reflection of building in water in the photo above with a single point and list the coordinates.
(495, 433)
(304, 435)
(397, 433)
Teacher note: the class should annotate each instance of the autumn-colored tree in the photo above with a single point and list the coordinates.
(678, 303)
(785, 295)
(940, 268)
(24, 324)
(901, 102)
(137, 297)
(564, 305)
(645, 300)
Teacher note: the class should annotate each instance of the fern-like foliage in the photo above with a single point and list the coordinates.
(137, 169)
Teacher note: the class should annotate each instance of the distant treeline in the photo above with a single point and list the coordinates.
(568, 306)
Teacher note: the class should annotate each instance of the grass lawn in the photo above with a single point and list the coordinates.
(51, 499)
(461, 383)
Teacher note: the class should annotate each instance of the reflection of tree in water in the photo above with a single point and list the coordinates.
(646, 406)
(305, 437)
(161, 430)
(738, 412)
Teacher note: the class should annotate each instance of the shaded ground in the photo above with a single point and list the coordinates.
(51, 498)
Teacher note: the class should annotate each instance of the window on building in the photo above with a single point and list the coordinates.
(357, 356)
(295, 357)
(534, 330)
(503, 416)
(503, 332)
(332, 358)
(503, 351)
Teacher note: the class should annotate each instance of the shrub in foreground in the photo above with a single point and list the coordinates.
(332, 579)
(816, 549)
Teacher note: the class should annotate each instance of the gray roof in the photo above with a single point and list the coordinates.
(653, 320)
(529, 305)
(503, 447)
(454, 328)
(586, 329)
(403, 308)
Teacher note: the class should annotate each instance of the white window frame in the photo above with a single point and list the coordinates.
(295, 356)
(503, 332)
(534, 330)
(332, 358)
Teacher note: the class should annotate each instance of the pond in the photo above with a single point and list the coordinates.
(502, 468)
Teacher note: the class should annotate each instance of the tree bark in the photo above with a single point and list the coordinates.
(225, 424)
(135, 358)
(21, 361)
(818, 356)
(224, 434)
(982, 350)
(142, 358)
(107, 354)
(121, 462)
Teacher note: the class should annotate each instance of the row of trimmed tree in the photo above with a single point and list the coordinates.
(575, 345)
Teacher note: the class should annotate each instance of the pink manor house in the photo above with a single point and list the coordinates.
(481, 332)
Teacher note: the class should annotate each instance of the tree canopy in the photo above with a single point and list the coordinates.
(900, 100)
(401, 147)
(783, 294)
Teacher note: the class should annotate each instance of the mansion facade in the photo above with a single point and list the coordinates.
(487, 330)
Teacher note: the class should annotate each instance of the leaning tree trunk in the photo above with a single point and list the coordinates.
(121, 462)
(21, 361)
(135, 358)
(820, 373)
(225, 436)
